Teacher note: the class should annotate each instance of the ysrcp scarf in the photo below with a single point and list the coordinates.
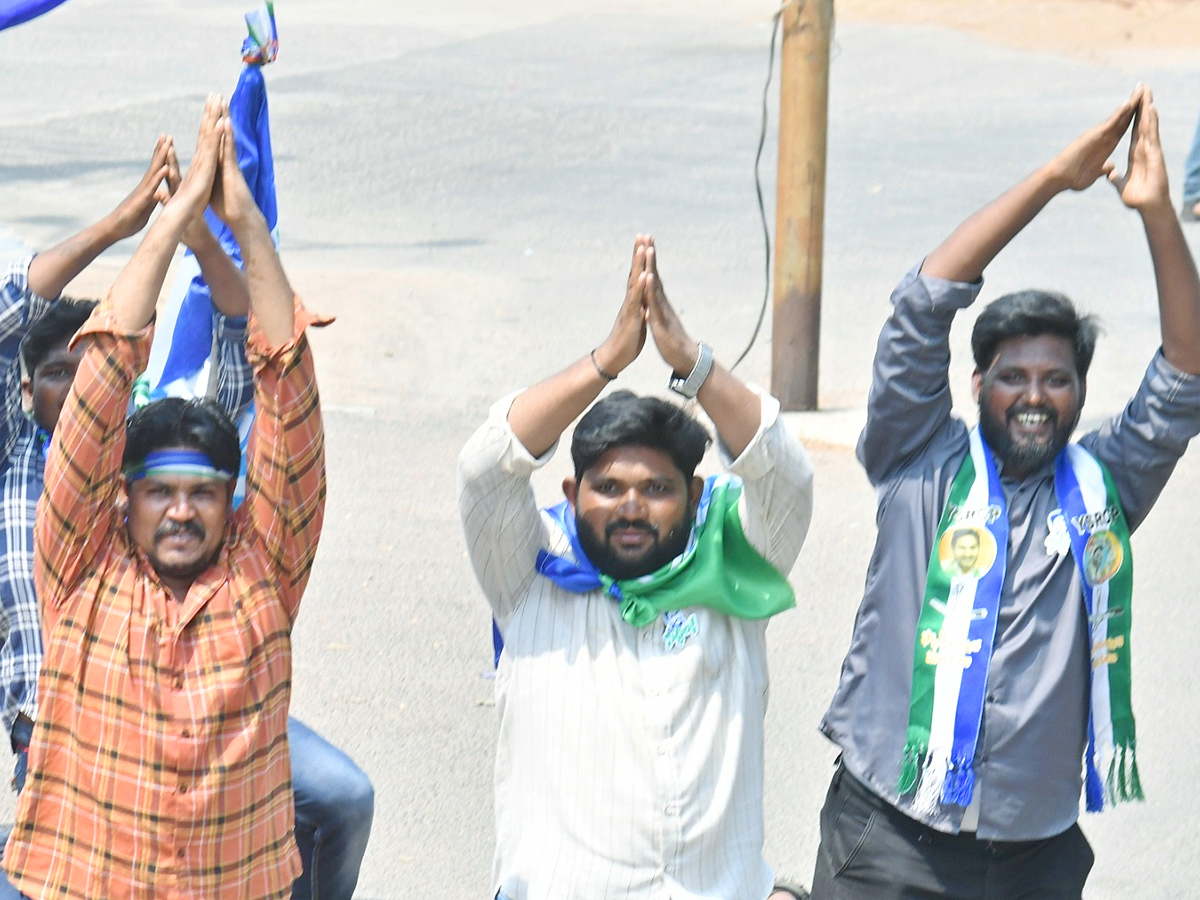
(717, 569)
(957, 628)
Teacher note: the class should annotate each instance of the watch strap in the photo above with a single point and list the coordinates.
(689, 386)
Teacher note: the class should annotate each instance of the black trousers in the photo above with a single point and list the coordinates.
(872, 851)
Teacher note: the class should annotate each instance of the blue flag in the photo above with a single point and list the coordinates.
(180, 366)
(14, 12)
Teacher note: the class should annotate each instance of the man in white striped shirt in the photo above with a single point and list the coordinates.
(633, 683)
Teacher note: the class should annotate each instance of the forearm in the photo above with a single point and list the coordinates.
(226, 282)
(53, 269)
(1178, 287)
(270, 295)
(134, 294)
(965, 254)
(540, 415)
(735, 410)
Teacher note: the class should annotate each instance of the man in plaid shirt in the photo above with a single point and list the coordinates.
(159, 761)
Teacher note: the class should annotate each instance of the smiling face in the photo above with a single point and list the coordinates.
(179, 522)
(966, 550)
(1029, 401)
(45, 390)
(633, 510)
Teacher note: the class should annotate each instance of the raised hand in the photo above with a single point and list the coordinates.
(1144, 184)
(196, 234)
(674, 345)
(628, 336)
(194, 190)
(1087, 157)
(231, 198)
(132, 213)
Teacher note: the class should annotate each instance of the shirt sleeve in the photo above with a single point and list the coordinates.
(1141, 445)
(19, 308)
(777, 488)
(77, 510)
(910, 403)
(504, 529)
(285, 468)
(235, 375)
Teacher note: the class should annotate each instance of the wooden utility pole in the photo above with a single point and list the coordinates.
(800, 202)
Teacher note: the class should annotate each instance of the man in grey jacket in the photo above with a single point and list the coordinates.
(969, 698)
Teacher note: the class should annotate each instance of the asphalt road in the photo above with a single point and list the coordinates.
(461, 183)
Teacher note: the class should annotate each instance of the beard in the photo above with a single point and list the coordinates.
(1023, 456)
(602, 555)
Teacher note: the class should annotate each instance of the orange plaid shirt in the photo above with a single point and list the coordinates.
(159, 764)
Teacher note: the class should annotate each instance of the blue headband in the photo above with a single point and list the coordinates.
(190, 463)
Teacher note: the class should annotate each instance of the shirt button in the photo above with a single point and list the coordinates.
(186, 733)
(183, 788)
(181, 853)
(179, 684)
(670, 810)
(662, 751)
(646, 637)
(991, 698)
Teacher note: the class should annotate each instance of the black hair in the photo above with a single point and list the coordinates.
(960, 533)
(198, 424)
(624, 419)
(60, 322)
(1030, 314)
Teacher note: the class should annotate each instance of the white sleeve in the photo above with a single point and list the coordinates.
(503, 527)
(777, 476)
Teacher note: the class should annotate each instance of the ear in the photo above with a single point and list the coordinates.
(1082, 392)
(26, 394)
(976, 383)
(570, 490)
(695, 493)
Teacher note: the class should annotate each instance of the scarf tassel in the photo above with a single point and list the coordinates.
(959, 784)
(910, 771)
(1094, 787)
(1124, 783)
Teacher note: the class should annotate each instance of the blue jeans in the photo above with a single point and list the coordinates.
(334, 807)
(1191, 172)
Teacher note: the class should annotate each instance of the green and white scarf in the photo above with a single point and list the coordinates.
(718, 568)
(957, 627)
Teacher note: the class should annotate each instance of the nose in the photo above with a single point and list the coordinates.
(631, 506)
(180, 509)
(1035, 393)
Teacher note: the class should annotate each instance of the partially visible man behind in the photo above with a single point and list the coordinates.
(633, 682)
(159, 762)
(976, 706)
(30, 313)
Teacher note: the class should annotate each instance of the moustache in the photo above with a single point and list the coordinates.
(630, 525)
(190, 528)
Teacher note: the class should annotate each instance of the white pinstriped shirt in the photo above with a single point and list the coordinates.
(624, 768)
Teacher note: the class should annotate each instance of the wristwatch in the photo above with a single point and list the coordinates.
(689, 386)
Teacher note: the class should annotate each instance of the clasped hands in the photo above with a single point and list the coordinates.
(1143, 186)
(646, 308)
